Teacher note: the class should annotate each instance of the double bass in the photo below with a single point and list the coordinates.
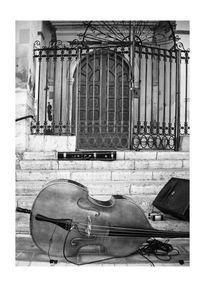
(64, 219)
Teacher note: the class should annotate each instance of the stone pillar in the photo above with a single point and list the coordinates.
(184, 143)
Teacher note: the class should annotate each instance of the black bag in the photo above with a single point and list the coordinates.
(173, 198)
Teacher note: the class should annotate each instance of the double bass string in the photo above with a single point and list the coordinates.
(131, 232)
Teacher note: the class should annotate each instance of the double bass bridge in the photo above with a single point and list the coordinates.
(89, 226)
(85, 232)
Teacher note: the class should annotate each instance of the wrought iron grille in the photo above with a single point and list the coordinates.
(115, 95)
(160, 100)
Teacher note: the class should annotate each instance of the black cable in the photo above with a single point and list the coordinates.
(162, 250)
(49, 246)
(151, 246)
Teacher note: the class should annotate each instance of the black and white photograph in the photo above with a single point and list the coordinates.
(107, 144)
(102, 142)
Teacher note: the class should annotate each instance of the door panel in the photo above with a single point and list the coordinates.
(103, 100)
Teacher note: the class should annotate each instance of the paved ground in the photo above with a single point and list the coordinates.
(27, 254)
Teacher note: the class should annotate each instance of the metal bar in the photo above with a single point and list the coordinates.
(131, 83)
(93, 118)
(61, 94)
(145, 107)
(46, 94)
(24, 118)
(158, 92)
(101, 82)
(70, 97)
(177, 101)
(39, 85)
(76, 98)
(130, 40)
(164, 100)
(176, 96)
(108, 70)
(139, 99)
(186, 94)
(179, 95)
(94, 44)
(115, 103)
(72, 43)
(100, 47)
(170, 90)
(152, 89)
(86, 93)
(122, 121)
(79, 90)
(54, 90)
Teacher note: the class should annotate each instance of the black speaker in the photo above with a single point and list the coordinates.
(173, 198)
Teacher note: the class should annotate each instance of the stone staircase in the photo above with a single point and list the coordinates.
(139, 175)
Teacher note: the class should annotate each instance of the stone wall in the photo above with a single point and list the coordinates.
(27, 32)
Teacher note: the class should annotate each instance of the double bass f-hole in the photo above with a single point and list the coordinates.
(86, 204)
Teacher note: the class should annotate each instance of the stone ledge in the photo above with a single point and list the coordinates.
(39, 164)
(49, 162)
(101, 175)
(28, 188)
(39, 155)
(51, 143)
(172, 155)
(131, 155)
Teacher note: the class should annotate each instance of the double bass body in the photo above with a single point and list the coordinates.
(64, 219)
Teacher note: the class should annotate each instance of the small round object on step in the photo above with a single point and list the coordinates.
(156, 216)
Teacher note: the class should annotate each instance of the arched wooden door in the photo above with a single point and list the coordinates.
(103, 105)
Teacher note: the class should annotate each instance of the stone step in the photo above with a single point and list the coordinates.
(101, 175)
(102, 165)
(138, 175)
(30, 188)
(121, 155)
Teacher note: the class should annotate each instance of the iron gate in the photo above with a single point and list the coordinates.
(160, 98)
(114, 96)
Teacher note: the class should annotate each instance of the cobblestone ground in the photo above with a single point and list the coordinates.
(27, 254)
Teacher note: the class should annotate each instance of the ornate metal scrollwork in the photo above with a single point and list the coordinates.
(37, 44)
(180, 46)
(55, 44)
(145, 32)
(50, 117)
